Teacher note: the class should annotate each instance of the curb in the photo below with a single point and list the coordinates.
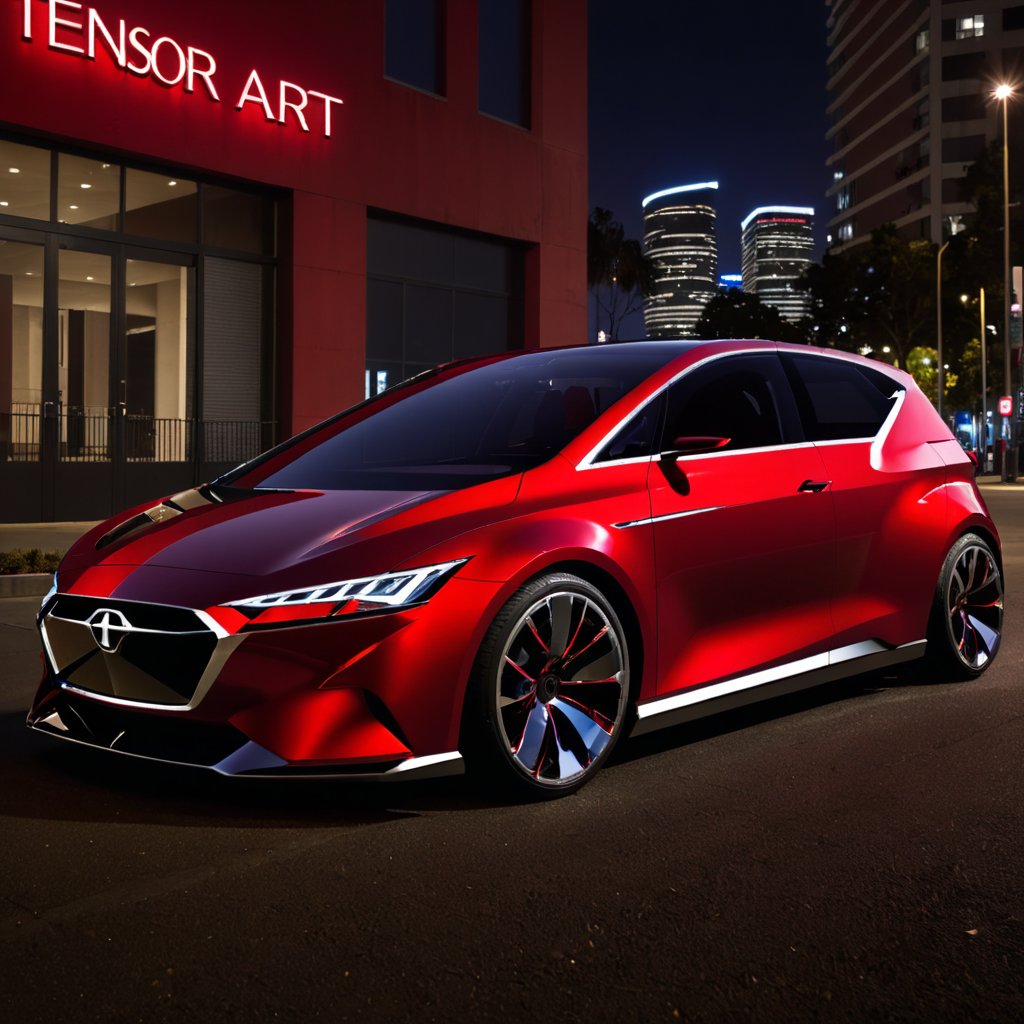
(29, 584)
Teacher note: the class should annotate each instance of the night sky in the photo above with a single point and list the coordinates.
(733, 92)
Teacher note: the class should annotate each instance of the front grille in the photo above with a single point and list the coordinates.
(155, 654)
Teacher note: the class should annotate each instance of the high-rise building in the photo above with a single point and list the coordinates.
(778, 246)
(679, 238)
(910, 106)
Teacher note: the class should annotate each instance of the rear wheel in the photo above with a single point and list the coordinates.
(551, 687)
(967, 615)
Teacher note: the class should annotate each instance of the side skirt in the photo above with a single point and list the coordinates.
(663, 712)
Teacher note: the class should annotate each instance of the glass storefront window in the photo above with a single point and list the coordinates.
(83, 301)
(158, 363)
(24, 181)
(88, 192)
(21, 350)
(160, 206)
(238, 220)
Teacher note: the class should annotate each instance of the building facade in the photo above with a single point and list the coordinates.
(222, 223)
(679, 239)
(778, 246)
(910, 106)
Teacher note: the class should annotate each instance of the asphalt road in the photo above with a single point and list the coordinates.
(852, 854)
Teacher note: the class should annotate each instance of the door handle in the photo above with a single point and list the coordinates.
(813, 486)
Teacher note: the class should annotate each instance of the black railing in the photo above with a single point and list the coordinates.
(86, 435)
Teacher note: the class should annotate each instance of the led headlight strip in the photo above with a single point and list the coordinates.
(389, 591)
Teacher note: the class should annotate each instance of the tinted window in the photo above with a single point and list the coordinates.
(412, 47)
(637, 438)
(744, 398)
(505, 60)
(838, 399)
(487, 422)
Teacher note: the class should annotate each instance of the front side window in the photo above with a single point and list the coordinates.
(742, 398)
(637, 438)
(451, 432)
(414, 43)
(839, 400)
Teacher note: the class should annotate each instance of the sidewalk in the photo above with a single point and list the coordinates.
(46, 536)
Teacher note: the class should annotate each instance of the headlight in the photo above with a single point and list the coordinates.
(389, 591)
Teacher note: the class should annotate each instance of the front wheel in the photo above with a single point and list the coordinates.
(967, 614)
(551, 687)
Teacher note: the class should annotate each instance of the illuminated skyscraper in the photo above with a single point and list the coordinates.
(679, 239)
(778, 246)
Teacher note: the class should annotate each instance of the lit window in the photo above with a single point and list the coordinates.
(846, 231)
(921, 40)
(970, 26)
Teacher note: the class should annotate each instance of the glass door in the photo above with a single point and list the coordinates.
(123, 427)
(22, 263)
(157, 378)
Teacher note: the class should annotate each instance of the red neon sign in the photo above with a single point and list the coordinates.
(79, 31)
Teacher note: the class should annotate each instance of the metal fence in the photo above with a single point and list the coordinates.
(87, 434)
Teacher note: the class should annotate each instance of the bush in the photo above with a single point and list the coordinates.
(20, 561)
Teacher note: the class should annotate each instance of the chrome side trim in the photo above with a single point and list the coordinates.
(773, 682)
(662, 519)
(883, 433)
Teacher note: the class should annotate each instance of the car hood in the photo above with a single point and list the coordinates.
(282, 538)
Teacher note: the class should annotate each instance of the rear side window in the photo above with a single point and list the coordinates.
(839, 400)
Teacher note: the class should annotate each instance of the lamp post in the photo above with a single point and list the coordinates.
(1003, 93)
(983, 433)
(938, 317)
(984, 388)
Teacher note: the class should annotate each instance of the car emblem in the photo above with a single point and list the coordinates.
(108, 627)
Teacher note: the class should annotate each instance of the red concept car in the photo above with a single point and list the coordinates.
(511, 561)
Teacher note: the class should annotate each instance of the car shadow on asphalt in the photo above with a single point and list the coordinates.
(752, 715)
(54, 780)
(49, 779)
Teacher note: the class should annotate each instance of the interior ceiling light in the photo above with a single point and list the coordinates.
(172, 183)
(3, 202)
(73, 206)
(86, 185)
(14, 170)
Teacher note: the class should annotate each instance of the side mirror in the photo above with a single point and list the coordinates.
(694, 446)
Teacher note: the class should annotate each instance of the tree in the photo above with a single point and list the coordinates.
(878, 296)
(618, 273)
(737, 314)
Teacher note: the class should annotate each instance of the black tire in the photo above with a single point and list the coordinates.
(966, 623)
(550, 689)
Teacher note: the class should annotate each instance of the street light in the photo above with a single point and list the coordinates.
(983, 440)
(1002, 94)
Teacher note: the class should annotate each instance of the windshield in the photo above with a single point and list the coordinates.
(490, 421)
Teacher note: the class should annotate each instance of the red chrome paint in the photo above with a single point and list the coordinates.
(739, 570)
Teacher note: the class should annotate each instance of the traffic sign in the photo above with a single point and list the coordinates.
(1006, 406)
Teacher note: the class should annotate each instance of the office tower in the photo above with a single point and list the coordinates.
(778, 246)
(679, 239)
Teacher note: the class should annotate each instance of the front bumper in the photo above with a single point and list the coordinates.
(375, 698)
